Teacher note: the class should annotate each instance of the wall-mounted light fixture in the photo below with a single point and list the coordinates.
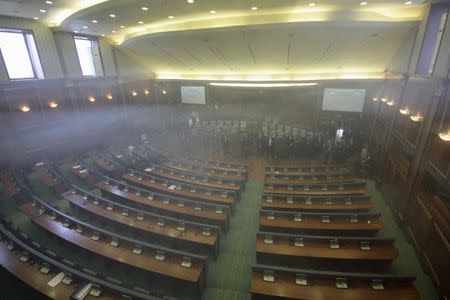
(91, 99)
(417, 118)
(134, 93)
(109, 96)
(375, 99)
(25, 108)
(146, 92)
(384, 99)
(53, 104)
(390, 102)
(164, 92)
(444, 135)
(405, 111)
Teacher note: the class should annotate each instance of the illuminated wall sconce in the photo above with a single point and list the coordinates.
(384, 99)
(109, 97)
(390, 102)
(405, 111)
(444, 135)
(376, 99)
(146, 92)
(25, 108)
(91, 99)
(53, 104)
(164, 92)
(417, 118)
(134, 93)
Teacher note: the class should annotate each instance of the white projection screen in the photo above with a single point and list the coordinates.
(193, 95)
(350, 100)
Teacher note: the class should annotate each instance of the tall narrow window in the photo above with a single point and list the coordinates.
(20, 55)
(89, 56)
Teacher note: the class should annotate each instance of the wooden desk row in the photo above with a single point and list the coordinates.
(317, 203)
(10, 186)
(190, 178)
(185, 164)
(49, 179)
(211, 163)
(202, 235)
(172, 206)
(358, 188)
(271, 178)
(341, 223)
(37, 267)
(329, 252)
(159, 260)
(325, 168)
(289, 283)
(207, 195)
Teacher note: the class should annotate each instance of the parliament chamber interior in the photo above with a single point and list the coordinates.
(225, 149)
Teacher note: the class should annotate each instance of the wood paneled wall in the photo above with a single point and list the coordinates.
(412, 166)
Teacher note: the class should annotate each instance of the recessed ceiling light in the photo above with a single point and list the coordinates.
(212, 11)
(363, 3)
(102, 35)
(144, 8)
(408, 2)
(190, 1)
(121, 26)
(94, 21)
(49, 2)
(43, 11)
(36, 18)
(85, 27)
(75, 31)
(254, 8)
(312, 4)
(140, 22)
(171, 17)
(112, 15)
(113, 31)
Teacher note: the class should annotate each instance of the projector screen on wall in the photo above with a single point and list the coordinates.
(193, 95)
(351, 100)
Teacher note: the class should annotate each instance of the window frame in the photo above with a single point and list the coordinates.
(25, 32)
(93, 39)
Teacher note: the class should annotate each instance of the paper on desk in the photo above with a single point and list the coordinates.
(56, 280)
(148, 170)
(83, 171)
(76, 167)
(39, 164)
(172, 187)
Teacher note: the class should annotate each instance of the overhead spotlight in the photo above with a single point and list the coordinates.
(254, 8)
(43, 11)
(85, 27)
(91, 99)
(141, 22)
(375, 99)
(25, 108)
(94, 21)
(113, 31)
(171, 17)
(146, 92)
(408, 2)
(190, 1)
(75, 31)
(103, 35)
(363, 3)
(49, 2)
(112, 15)
(121, 26)
(384, 99)
(390, 102)
(134, 93)
(312, 4)
(109, 96)
(164, 92)
(212, 11)
(53, 104)
(144, 8)
(36, 18)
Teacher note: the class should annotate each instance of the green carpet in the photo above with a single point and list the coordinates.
(229, 276)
